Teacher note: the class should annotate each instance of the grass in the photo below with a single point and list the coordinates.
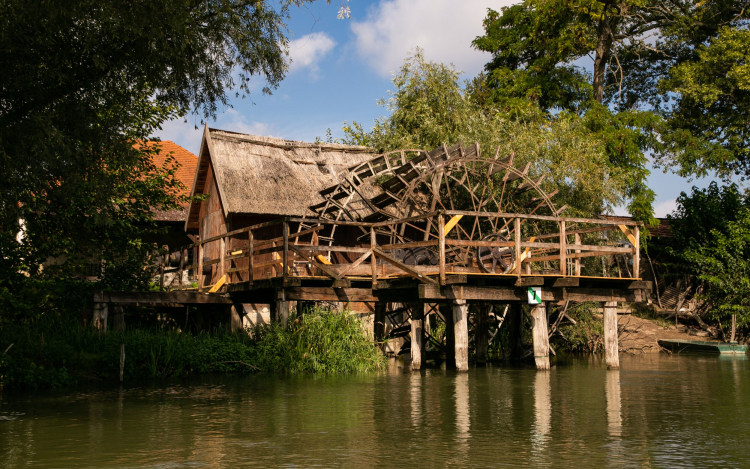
(53, 352)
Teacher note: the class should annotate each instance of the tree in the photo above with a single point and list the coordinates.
(82, 82)
(430, 107)
(641, 51)
(711, 249)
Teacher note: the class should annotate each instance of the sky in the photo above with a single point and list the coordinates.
(340, 68)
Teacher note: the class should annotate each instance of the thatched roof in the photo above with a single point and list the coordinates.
(270, 176)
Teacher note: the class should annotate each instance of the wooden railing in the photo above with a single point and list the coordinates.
(527, 245)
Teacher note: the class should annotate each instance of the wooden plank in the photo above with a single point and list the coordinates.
(483, 244)
(593, 221)
(577, 270)
(436, 293)
(285, 253)
(402, 266)
(373, 260)
(322, 267)
(529, 281)
(566, 282)
(329, 294)
(200, 267)
(354, 264)
(160, 298)
(250, 256)
(411, 245)
(441, 249)
(452, 223)
(637, 252)
(222, 257)
(218, 284)
(517, 242)
(563, 250)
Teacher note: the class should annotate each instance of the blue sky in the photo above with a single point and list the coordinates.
(340, 68)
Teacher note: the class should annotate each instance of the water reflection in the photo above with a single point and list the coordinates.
(614, 403)
(661, 411)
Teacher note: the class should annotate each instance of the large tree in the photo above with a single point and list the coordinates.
(85, 80)
(631, 68)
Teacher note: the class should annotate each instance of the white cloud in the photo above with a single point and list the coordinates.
(443, 28)
(663, 209)
(307, 51)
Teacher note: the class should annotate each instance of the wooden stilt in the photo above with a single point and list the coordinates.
(118, 318)
(282, 312)
(461, 334)
(378, 327)
(235, 321)
(417, 336)
(122, 361)
(611, 346)
(540, 336)
(101, 311)
(480, 333)
(450, 338)
(515, 331)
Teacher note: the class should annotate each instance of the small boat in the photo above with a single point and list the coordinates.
(702, 346)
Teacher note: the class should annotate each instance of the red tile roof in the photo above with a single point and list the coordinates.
(185, 173)
(661, 231)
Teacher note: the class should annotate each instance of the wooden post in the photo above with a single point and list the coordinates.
(441, 247)
(540, 336)
(461, 334)
(517, 225)
(563, 251)
(417, 336)
(611, 346)
(481, 330)
(578, 259)
(378, 327)
(101, 311)
(122, 361)
(734, 327)
(235, 318)
(515, 331)
(637, 252)
(182, 268)
(164, 256)
(374, 263)
(200, 266)
(450, 339)
(285, 258)
(250, 263)
(282, 308)
(118, 319)
(222, 258)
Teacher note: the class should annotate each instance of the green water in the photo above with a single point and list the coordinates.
(658, 411)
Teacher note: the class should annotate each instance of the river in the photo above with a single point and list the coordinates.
(658, 411)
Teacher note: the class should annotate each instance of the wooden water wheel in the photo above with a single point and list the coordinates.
(415, 182)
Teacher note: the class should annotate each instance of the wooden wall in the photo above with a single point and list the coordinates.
(212, 222)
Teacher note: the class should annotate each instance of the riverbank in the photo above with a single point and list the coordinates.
(55, 352)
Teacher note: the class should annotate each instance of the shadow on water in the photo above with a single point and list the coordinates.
(657, 411)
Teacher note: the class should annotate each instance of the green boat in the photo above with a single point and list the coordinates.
(702, 346)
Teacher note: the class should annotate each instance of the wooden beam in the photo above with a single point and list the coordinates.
(461, 334)
(441, 249)
(404, 267)
(435, 293)
(611, 347)
(160, 298)
(540, 336)
(529, 281)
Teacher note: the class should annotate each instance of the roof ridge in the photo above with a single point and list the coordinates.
(285, 144)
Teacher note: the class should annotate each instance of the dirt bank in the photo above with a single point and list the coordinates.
(639, 335)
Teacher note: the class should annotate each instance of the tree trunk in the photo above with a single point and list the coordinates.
(605, 37)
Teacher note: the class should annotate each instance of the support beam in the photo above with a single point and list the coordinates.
(450, 337)
(101, 311)
(282, 312)
(118, 318)
(235, 318)
(378, 328)
(481, 330)
(611, 346)
(540, 336)
(515, 331)
(461, 334)
(417, 336)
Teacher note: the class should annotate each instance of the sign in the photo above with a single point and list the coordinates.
(535, 295)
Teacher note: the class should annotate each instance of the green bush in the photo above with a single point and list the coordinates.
(54, 352)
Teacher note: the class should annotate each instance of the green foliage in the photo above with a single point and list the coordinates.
(83, 82)
(52, 351)
(431, 107)
(320, 341)
(586, 335)
(711, 248)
